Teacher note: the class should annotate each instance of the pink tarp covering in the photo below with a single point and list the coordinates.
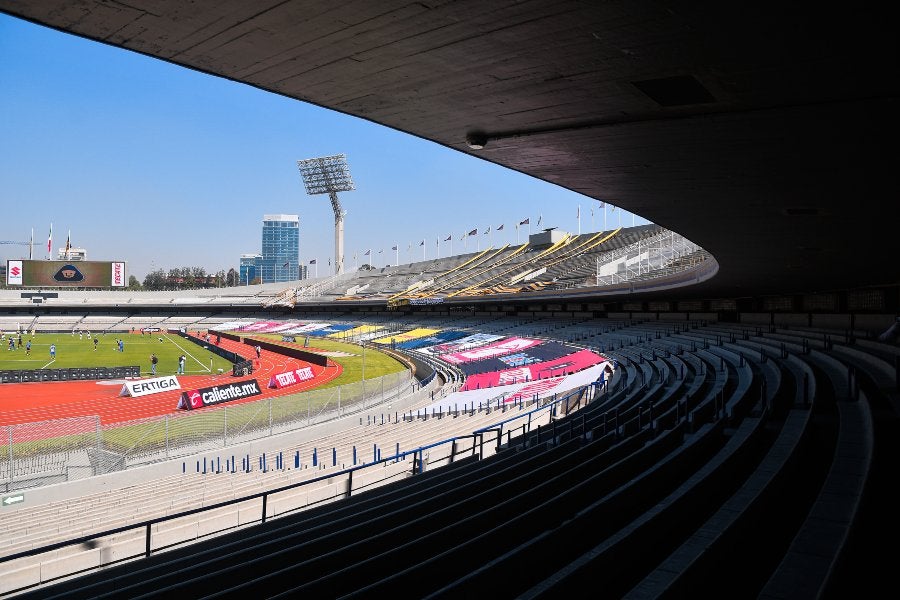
(507, 346)
(552, 368)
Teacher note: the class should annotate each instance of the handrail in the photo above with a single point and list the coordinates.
(148, 524)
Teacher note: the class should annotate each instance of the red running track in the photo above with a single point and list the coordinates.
(42, 401)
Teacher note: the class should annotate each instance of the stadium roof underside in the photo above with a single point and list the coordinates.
(762, 135)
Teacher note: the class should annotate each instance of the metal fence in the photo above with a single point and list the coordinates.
(47, 452)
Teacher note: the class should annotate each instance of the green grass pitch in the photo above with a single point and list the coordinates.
(377, 364)
(74, 351)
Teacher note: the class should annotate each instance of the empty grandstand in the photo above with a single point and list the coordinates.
(734, 438)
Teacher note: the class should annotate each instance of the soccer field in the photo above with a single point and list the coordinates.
(74, 351)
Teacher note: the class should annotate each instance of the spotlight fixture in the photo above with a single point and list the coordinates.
(330, 175)
(476, 140)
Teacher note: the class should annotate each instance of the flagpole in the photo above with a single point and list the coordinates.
(578, 214)
(451, 244)
(397, 253)
(517, 234)
(604, 216)
(31, 245)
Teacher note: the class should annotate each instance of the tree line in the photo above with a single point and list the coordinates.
(185, 278)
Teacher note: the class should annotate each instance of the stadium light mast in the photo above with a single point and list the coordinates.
(330, 175)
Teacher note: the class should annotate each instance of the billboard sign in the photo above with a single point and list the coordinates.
(145, 387)
(14, 272)
(280, 380)
(201, 397)
(64, 273)
(118, 274)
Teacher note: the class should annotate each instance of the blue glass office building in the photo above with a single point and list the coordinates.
(248, 267)
(279, 260)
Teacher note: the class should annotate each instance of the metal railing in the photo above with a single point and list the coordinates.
(481, 444)
(659, 255)
(45, 452)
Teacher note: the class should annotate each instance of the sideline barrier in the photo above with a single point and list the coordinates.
(304, 355)
(310, 357)
(228, 355)
(71, 374)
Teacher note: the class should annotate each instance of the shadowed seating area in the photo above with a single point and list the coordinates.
(744, 444)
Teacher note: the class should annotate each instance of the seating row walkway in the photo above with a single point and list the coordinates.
(717, 459)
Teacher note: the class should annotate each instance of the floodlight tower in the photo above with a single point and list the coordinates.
(330, 175)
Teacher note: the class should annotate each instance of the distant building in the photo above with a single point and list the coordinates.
(280, 257)
(75, 254)
(248, 269)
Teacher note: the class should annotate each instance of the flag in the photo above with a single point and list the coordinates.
(614, 209)
(393, 247)
(449, 237)
(285, 264)
(602, 205)
(312, 262)
(368, 252)
(578, 214)
(500, 228)
(592, 212)
(474, 232)
(329, 261)
(422, 243)
(409, 247)
(527, 221)
(540, 218)
(68, 243)
(381, 251)
(50, 240)
(488, 230)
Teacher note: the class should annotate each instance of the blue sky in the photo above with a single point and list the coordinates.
(165, 167)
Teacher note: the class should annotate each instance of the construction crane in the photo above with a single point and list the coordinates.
(12, 243)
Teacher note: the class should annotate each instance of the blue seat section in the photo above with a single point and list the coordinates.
(439, 338)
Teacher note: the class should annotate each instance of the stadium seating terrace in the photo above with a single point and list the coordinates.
(744, 444)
